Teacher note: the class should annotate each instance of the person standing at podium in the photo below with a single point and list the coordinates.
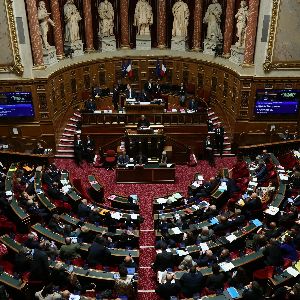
(143, 122)
(141, 159)
(149, 88)
(130, 93)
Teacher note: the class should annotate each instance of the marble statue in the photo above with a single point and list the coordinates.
(143, 17)
(44, 20)
(72, 17)
(213, 19)
(241, 24)
(181, 15)
(106, 14)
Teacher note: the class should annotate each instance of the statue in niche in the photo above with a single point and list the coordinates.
(72, 17)
(181, 15)
(241, 24)
(107, 15)
(143, 17)
(213, 20)
(44, 20)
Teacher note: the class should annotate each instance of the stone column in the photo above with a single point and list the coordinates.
(57, 30)
(34, 29)
(124, 24)
(251, 32)
(88, 26)
(197, 25)
(229, 23)
(161, 24)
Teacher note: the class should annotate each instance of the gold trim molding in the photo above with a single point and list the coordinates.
(269, 64)
(16, 66)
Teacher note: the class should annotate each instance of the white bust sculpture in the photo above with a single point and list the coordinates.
(181, 15)
(143, 17)
(44, 19)
(107, 15)
(241, 24)
(72, 17)
(213, 19)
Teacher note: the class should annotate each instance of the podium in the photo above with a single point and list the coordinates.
(149, 141)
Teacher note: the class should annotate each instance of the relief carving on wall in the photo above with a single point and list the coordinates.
(283, 45)
(10, 59)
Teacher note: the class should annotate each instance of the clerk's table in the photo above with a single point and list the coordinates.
(149, 173)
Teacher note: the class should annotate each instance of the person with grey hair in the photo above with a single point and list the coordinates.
(187, 263)
(205, 235)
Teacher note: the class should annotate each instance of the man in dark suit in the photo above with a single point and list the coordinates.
(143, 122)
(170, 288)
(89, 149)
(141, 159)
(273, 254)
(261, 172)
(193, 105)
(83, 209)
(98, 253)
(149, 88)
(123, 159)
(219, 138)
(191, 282)
(251, 204)
(116, 96)
(182, 94)
(209, 151)
(90, 105)
(163, 260)
(130, 93)
(39, 269)
(78, 149)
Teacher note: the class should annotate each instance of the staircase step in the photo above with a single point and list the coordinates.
(210, 114)
(64, 155)
(214, 118)
(74, 120)
(68, 134)
(66, 145)
(65, 150)
(72, 125)
(77, 115)
(71, 140)
(70, 129)
(224, 154)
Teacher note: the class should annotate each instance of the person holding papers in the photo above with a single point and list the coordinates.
(143, 122)
(130, 94)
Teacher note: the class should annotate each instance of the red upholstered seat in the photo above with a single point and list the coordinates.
(265, 273)
(110, 158)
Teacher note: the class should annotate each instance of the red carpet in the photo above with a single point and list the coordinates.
(146, 193)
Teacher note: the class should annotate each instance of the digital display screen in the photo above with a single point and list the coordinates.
(276, 102)
(16, 104)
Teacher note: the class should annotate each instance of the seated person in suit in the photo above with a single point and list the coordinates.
(164, 157)
(39, 149)
(90, 105)
(141, 159)
(216, 280)
(69, 251)
(130, 93)
(191, 282)
(251, 204)
(123, 159)
(163, 260)
(261, 172)
(143, 122)
(170, 288)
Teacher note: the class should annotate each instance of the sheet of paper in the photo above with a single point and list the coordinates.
(181, 252)
(256, 222)
(112, 197)
(297, 265)
(214, 221)
(176, 230)
(292, 271)
(200, 177)
(116, 215)
(204, 247)
(8, 193)
(272, 210)
(161, 200)
(177, 195)
(226, 266)
(74, 297)
(134, 216)
(169, 165)
(231, 238)
(233, 292)
(195, 184)
(195, 207)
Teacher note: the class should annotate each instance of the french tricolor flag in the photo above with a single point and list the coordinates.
(129, 69)
(163, 70)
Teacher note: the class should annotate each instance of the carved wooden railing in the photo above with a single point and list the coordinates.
(156, 118)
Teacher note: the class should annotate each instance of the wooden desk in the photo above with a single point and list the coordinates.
(144, 108)
(145, 175)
